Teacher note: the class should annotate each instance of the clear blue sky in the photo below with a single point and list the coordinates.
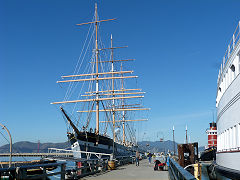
(178, 47)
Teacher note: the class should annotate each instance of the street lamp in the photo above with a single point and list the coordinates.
(10, 157)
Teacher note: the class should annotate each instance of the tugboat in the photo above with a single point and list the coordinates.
(209, 153)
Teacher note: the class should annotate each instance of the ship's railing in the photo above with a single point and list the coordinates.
(84, 167)
(23, 172)
(87, 167)
(234, 40)
(87, 153)
(177, 172)
(234, 149)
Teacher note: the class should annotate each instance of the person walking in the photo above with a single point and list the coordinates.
(149, 158)
(137, 158)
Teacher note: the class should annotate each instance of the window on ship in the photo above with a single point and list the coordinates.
(232, 68)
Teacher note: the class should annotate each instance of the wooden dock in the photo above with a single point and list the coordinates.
(131, 171)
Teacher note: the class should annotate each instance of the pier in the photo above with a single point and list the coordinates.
(100, 169)
(131, 171)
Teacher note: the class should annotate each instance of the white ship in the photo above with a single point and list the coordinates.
(228, 111)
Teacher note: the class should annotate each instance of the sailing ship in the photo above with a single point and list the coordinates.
(228, 110)
(104, 93)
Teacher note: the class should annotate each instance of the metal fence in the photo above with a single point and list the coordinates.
(86, 167)
(92, 166)
(88, 154)
(24, 172)
(177, 172)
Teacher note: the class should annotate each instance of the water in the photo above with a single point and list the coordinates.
(19, 158)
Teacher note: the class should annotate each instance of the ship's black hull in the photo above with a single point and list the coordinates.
(209, 154)
(227, 172)
(90, 142)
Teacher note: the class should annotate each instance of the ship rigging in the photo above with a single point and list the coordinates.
(109, 96)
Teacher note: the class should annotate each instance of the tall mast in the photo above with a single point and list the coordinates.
(186, 136)
(123, 113)
(96, 74)
(97, 77)
(113, 101)
(97, 101)
(173, 142)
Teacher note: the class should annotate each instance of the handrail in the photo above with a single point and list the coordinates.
(92, 166)
(21, 172)
(178, 172)
(88, 153)
(231, 46)
(87, 167)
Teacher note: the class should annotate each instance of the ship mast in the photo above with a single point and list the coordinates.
(97, 85)
(123, 114)
(116, 94)
(113, 101)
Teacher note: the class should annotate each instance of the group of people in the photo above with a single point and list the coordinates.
(160, 161)
(149, 155)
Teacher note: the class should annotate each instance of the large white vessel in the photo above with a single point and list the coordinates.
(228, 110)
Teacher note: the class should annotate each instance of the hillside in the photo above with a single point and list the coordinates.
(158, 146)
(30, 147)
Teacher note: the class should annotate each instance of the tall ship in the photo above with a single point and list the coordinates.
(228, 110)
(100, 108)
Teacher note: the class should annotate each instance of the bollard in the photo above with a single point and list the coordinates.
(111, 165)
(79, 165)
(63, 171)
(198, 171)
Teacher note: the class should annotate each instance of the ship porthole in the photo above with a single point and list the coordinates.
(232, 68)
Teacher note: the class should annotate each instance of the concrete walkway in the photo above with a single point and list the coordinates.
(143, 171)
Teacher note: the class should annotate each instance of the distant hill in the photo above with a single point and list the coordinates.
(157, 146)
(30, 147)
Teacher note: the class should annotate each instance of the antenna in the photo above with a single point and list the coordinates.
(186, 136)
(173, 142)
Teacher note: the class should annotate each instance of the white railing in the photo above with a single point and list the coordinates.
(234, 40)
(229, 150)
(88, 154)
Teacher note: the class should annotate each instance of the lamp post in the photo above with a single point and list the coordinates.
(10, 137)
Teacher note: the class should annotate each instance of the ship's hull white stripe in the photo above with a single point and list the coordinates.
(229, 104)
(229, 160)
